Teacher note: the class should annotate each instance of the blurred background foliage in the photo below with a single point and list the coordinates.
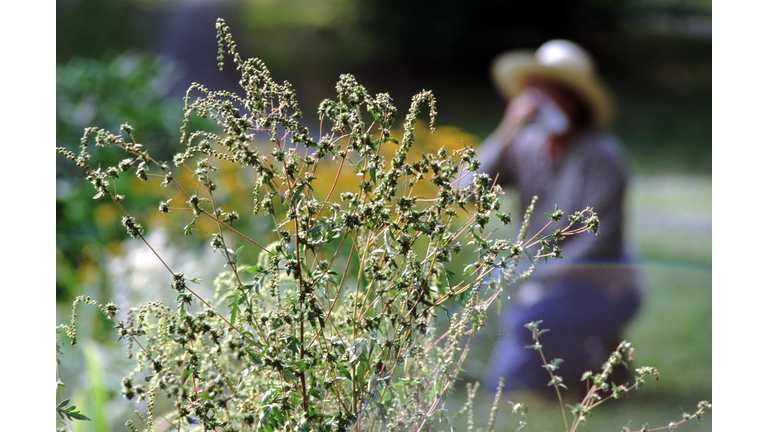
(655, 53)
(131, 61)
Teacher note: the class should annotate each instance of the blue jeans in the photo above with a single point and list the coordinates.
(585, 326)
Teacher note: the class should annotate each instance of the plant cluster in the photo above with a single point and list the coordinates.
(129, 87)
(600, 387)
(348, 315)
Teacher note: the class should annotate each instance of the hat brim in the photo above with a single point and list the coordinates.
(513, 71)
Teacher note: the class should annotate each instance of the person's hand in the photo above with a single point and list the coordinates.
(522, 109)
(536, 106)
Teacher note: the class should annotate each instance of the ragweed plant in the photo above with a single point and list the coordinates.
(345, 314)
(599, 387)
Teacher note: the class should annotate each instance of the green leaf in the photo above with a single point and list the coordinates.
(186, 373)
(247, 292)
(372, 381)
(315, 233)
(277, 192)
(296, 194)
(359, 167)
(421, 227)
(235, 309)
(288, 374)
(356, 350)
(77, 416)
(478, 239)
(70, 412)
(345, 372)
(254, 357)
(255, 269)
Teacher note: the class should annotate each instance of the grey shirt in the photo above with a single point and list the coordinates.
(589, 173)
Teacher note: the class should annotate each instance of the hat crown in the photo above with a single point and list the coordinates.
(563, 54)
(559, 61)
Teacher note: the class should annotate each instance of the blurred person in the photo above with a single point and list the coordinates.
(551, 143)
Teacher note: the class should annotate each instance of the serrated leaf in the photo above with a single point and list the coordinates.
(70, 412)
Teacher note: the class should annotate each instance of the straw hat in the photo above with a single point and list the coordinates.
(560, 61)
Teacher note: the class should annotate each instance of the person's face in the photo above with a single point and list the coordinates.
(568, 104)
